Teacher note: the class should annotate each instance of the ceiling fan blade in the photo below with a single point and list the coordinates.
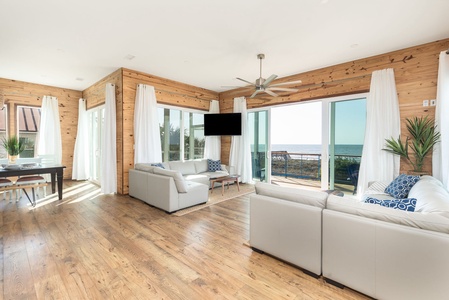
(255, 93)
(287, 83)
(271, 93)
(237, 87)
(269, 80)
(282, 89)
(246, 81)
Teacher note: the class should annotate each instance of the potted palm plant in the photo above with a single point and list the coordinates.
(422, 138)
(13, 146)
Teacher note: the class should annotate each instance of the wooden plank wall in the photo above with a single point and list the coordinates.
(95, 96)
(167, 92)
(415, 68)
(30, 94)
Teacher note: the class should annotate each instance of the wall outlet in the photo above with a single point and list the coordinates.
(433, 102)
(425, 103)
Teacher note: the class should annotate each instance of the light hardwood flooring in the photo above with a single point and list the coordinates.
(92, 246)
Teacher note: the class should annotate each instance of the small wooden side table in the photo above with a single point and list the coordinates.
(223, 180)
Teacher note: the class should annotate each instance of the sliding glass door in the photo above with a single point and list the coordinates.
(343, 136)
(258, 133)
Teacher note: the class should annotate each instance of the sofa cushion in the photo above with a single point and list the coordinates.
(429, 221)
(159, 165)
(401, 186)
(213, 165)
(431, 195)
(146, 167)
(200, 165)
(185, 167)
(180, 183)
(309, 197)
(407, 204)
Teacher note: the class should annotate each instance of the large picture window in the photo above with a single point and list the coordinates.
(3, 130)
(182, 134)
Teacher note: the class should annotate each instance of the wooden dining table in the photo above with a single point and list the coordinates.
(56, 174)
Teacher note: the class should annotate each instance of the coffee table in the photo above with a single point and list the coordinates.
(223, 180)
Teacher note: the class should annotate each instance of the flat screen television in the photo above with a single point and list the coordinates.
(223, 124)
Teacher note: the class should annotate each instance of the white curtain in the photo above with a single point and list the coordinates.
(240, 155)
(81, 163)
(50, 142)
(108, 144)
(440, 160)
(382, 122)
(212, 146)
(147, 137)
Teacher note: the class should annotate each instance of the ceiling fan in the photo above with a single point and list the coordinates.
(264, 85)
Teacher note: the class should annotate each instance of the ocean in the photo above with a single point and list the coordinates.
(316, 149)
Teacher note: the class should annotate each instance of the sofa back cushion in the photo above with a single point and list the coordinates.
(200, 165)
(146, 167)
(185, 167)
(430, 195)
(180, 183)
(309, 197)
(429, 221)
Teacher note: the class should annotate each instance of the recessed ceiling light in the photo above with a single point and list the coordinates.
(129, 57)
(324, 1)
(354, 45)
(79, 78)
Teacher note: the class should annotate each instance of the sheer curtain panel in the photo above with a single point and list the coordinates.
(81, 154)
(212, 146)
(240, 156)
(382, 122)
(440, 159)
(147, 136)
(108, 179)
(49, 141)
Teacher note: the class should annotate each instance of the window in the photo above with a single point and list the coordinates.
(29, 121)
(182, 134)
(3, 130)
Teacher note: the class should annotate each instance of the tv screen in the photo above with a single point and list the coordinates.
(223, 124)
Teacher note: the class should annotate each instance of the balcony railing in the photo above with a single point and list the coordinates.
(301, 165)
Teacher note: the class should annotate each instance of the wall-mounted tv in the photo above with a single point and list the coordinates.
(223, 124)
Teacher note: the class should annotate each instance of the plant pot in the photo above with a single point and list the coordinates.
(416, 173)
(12, 159)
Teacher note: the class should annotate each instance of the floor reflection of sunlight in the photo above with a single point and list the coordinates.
(69, 195)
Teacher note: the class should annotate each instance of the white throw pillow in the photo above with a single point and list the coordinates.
(180, 183)
(146, 167)
(430, 195)
(201, 165)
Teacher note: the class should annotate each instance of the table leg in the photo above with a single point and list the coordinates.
(222, 187)
(238, 186)
(53, 182)
(59, 176)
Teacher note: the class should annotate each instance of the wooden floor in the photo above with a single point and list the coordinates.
(92, 246)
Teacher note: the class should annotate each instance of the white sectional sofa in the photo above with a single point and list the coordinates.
(286, 223)
(176, 186)
(382, 252)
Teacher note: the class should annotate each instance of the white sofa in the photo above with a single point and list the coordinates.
(176, 186)
(382, 252)
(286, 223)
(388, 253)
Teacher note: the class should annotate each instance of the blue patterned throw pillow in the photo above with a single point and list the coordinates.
(213, 165)
(159, 165)
(407, 204)
(401, 186)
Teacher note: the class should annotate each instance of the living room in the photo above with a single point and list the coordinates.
(416, 71)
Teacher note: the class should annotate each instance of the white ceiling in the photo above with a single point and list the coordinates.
(206, 43)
